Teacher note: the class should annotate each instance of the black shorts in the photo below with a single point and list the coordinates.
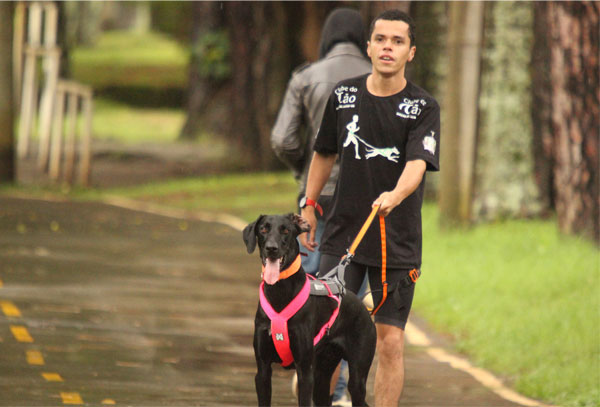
(396, 308)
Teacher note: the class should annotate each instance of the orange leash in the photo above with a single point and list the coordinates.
(360, 236)
(383, 264)
(363, 230)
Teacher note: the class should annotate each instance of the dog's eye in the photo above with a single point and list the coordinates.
(263, 230)
(285, 231)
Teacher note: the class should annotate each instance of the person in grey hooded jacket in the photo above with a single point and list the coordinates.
(342, 55)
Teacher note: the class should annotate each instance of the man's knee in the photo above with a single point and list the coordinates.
(390, 341)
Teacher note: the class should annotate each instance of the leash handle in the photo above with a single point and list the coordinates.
(363, 230)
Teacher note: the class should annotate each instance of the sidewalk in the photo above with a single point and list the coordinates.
(134, 308)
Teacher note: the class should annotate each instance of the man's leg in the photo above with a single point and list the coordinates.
(389, 377)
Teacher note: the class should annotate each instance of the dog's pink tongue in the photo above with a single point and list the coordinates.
(271, 274)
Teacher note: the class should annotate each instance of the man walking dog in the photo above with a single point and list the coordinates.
(401, 123)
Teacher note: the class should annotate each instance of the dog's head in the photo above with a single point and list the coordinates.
(276, 237)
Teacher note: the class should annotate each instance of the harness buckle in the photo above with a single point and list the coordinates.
(347, 258)
(414, 275)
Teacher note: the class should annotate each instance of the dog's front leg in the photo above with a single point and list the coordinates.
(304, 369)
(263, 350)
(262, 381)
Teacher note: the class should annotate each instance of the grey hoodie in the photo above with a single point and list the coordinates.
(308, 90)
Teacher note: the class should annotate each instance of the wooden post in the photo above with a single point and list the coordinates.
(51, 64)
(28, 100)
(50, 24)
(86, 140)
(18, 41)
(72, 100)
(56, 146)
(46, 105)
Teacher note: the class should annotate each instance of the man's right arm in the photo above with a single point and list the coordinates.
(318, 174)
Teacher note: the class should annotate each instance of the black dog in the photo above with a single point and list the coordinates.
(352, 336)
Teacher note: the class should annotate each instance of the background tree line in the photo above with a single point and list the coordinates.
(526, 145)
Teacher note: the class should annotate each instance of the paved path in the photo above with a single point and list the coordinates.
(101, 305)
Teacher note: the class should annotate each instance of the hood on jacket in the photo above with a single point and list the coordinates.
(343, 25)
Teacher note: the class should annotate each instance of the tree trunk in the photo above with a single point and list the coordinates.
(7, 168)
(460, 113)
(504, 182)
(260, 70)
(201, 88)
(371, 9)
(573, 29)
(428, 68)
(541, 108)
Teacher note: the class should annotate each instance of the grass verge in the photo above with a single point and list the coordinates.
(128, 124)
(518, 298)
(127, 59)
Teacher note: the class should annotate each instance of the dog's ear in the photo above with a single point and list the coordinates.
(301, 224)
(249, 234)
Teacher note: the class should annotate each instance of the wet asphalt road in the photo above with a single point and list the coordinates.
(102, 306)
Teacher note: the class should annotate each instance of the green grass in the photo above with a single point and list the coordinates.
(521, 300)
(129, 124)
(128, 59)
(518, 297)
(243, 195)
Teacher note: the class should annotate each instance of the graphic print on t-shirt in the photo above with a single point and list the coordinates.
(429, 142)
(391, 153)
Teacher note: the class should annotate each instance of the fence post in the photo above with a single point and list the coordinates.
(86, 140)
(47, 104)
(28, 100)
(18, 41)
(72, 101)
(57, 131)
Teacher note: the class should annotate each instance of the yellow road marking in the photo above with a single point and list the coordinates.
(10, 309)
(21, 333)
(109, 402)
(34, 357)
(52, 377)
(71, 398)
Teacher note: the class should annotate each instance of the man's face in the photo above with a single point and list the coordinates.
(389, 47)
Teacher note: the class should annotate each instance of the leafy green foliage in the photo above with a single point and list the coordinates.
(212, 52)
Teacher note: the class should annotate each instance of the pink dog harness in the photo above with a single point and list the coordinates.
(279, 320)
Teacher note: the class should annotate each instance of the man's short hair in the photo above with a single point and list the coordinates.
(396, 15)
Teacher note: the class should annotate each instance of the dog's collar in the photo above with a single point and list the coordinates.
(290, 271)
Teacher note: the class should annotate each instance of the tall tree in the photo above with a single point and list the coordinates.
(259, 36)
(208, 65)
(7, 170)
(573, 39)
(460, 112)
(541, 108)
(504, 184)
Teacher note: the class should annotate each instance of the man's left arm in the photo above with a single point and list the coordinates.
(409, 181)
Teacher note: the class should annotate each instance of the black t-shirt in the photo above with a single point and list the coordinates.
(375, 137)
